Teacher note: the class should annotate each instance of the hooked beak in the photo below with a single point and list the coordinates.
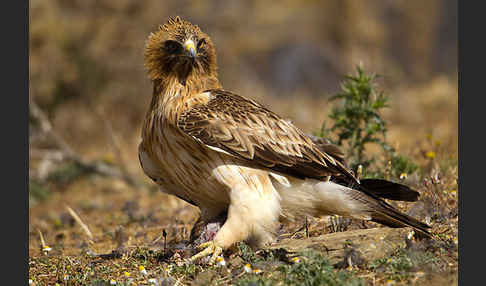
(190, 48)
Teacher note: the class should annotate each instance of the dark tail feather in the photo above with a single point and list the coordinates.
(375, 190)
(389, 216)
(389, 190)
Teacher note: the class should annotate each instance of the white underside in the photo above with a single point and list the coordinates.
(255, 198)
(318, 198)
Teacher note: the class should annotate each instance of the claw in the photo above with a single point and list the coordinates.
(210, 247)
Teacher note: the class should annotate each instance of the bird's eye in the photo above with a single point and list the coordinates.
(172, 46)
(201, 43)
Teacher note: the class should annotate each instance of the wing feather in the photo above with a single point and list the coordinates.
(245, 129)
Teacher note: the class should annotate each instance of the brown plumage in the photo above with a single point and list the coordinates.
(245, 129)
(228, 154)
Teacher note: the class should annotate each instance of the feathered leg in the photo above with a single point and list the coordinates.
(252, 216)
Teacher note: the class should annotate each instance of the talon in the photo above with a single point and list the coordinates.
(217, 251)
(210, 248)
(204, 244)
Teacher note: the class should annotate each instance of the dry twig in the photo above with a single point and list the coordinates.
(43, 242)
(78, 220)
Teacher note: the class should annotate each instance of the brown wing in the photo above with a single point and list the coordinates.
(327, 147)
(245, 129)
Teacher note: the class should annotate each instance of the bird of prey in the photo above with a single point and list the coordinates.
(228, 154)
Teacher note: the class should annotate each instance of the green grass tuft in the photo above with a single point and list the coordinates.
(313, 269)
(403, 264)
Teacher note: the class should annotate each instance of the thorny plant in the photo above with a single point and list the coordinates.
(357, 122)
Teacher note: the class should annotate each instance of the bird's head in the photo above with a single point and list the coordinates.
(179, 49)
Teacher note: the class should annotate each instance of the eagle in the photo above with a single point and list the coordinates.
(230, 155)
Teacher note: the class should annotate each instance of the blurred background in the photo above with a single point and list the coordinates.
(87, 54)
(89, 84)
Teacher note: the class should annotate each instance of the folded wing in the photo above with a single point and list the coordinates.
(243, 128)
